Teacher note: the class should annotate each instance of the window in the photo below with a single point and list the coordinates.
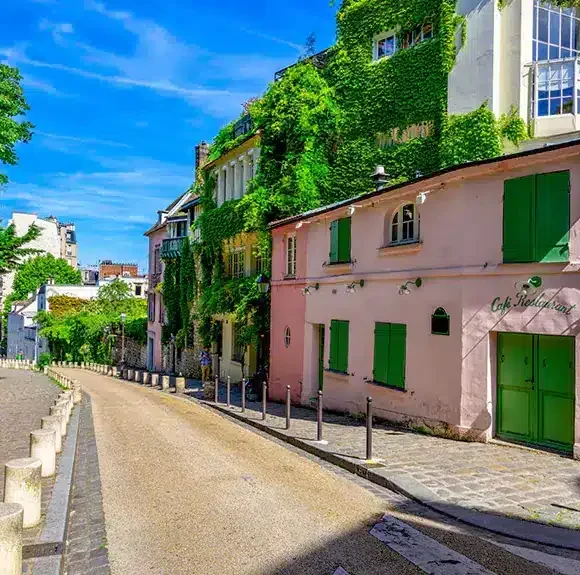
(258, 263)
(161, 311)
(339, 345)
(236, 263)
(384, 45)
(536, 218)
(556, 32)
(238, 349)
(157, 260)
(137, 290)
(291, 256)
(152, 307)
(287, 337)
(405, 225)
(555, 89)
(440, 322)
(390, 354)
(420, 33)
(340, 241)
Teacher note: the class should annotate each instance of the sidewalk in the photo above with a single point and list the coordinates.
(485, 484)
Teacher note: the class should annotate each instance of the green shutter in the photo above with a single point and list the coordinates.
(334, 242)
(552, 217)
(334, 335)
(344, 240)
(382, 338)
(343, 346)
(397, 355)
(518, 220)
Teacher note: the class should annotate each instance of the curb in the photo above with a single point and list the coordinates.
(518, 529)
(52, 540)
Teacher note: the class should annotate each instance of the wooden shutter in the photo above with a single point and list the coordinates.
(397, 355)
(382, 338)
(343, 346)
(334, 336)
(552, 217)
(344, 240)
(518, 220)
(334, 242)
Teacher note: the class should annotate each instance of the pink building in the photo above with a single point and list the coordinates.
(453, 300)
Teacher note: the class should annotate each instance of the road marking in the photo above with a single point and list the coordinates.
(555, 562)
(426, 553)
(340, 571)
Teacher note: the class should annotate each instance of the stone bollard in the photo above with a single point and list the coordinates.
(114, 372)
(60, 411)
(22, 484)
(146, 378)
(68, 397)
(45, 370)
(180, 385)
(154, 379)
(164, 382)
(130, 374)
(43, 447)
(11, 520)
(77, 393)
(53, 422)
(64, 404)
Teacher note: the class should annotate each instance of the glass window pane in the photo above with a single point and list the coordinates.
(389, 46)
(554, 28)
(555, 106)
(567, 105)
(427, 31)
(554, 52)
(575, 40)
(543, 25)
(394, 232)
(542, 90)
(542, 51)
(566, 26)
(565, 53)
(542, 107)
(381, 48)
(408, 213)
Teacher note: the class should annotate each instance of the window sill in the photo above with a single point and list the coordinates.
(290, 277)
(338, 374)
(338, 267)
(400, 249)
(386, 386)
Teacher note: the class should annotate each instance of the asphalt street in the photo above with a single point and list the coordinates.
(187, 491)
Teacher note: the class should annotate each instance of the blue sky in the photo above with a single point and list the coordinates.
(121, 91)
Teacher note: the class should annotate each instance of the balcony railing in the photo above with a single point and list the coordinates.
(555, 88)
(171, 248)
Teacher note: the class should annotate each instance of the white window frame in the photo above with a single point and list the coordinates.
(383, 36)
(290, 255)
(237, 271)
(287, 336)
(400, 225)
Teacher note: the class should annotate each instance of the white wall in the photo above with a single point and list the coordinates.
(474, 78)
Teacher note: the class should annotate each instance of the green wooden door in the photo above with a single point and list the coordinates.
(536, 379)
(515, 386)
(320, 356)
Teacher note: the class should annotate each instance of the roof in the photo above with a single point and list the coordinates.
(454, 170)
(243, 143)
(191, 203)
(171, 209)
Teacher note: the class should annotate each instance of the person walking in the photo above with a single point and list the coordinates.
(205, 360)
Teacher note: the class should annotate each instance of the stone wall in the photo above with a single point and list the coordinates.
(135, 354)
(186, 363)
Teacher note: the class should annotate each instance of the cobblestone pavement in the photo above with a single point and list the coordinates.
(86, 548)
(25, 397)
(499, 479)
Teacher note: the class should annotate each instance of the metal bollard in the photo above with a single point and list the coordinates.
(319, 417)
(217, 389)
(369, 428)
(243, 394)
(288, 407)
(228, 391)
(264, 400)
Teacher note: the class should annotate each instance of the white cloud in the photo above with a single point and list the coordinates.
(42, 86)
(297, 47)
(57, 29)
(83, 140)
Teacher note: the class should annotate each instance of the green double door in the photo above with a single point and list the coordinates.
(536, 381)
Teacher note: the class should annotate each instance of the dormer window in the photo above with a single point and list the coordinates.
(384, 45)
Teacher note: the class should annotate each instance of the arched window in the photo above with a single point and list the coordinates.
(440, 322)
(287, 337)
(405, 225)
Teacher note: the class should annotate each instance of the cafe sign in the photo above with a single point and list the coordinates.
(503, 305)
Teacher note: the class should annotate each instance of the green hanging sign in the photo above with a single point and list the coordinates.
(503, 306)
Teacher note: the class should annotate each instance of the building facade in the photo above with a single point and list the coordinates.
(138, 285)
(452, 300)
(110, 270)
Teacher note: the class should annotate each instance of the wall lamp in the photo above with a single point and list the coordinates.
(308, 290)
(529, 287)
(404, 289)
(300, 224)
(352, 287)
(352, 209)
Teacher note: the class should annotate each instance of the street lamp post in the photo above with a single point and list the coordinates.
(264, 286)
(123, 319)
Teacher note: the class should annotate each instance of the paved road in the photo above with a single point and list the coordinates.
(186, 491)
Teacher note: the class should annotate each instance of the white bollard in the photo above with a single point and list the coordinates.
(11, 517)
(43, 447)
(53, 422)
(63, 403)
(22, 484)
(60, 411)
(77, 394)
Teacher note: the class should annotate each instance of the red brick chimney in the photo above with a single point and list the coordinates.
(201, 154)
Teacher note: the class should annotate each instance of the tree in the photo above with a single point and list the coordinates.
(112, 297)
(11, 246)
(12, 105)
(36, 272)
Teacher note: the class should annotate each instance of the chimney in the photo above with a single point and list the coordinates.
(201, 154)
